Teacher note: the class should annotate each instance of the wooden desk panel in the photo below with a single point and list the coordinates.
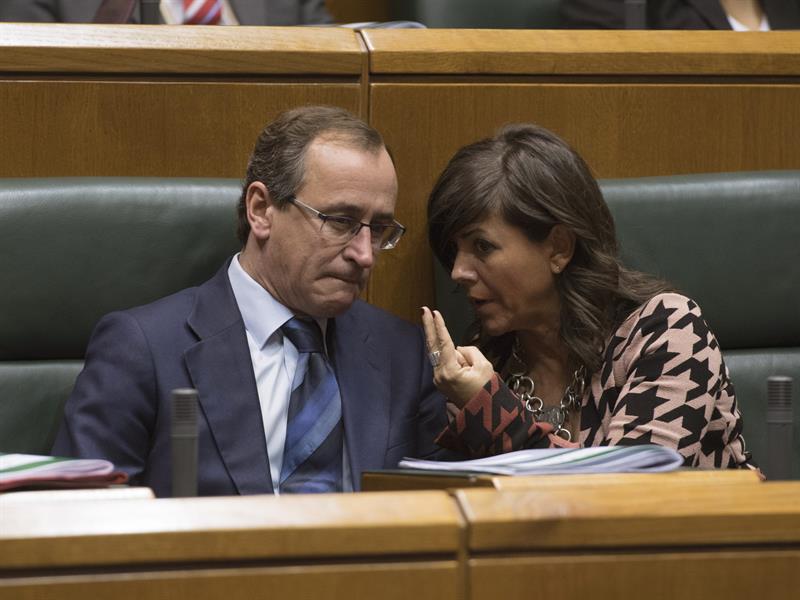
(621, 129)
(115, 532)
(71, 48)
(148, 128)
(636, 482)
(344, 546)
(731, 574)
(423, 580)
(622, 517)
(580, 52)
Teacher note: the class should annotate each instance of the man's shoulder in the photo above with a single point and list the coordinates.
(179, 302)
(377, 317)
(364, 310)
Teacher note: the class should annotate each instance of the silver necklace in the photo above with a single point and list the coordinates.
(525, 389)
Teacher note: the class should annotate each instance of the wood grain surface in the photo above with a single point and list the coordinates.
(580, 52)
(109, 532)
(731, 574)
(627, 516)
(621, 129)
(145, 128)
(428, 480)
(71, 48)
(392, 580)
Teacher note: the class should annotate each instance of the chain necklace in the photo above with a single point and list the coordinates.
(525, 388)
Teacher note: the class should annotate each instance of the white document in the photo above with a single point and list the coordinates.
(647, 458)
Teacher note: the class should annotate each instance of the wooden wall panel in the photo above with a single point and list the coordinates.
(428, 580)
(149, 128)
(356, 11)
(622, 129)
(733, 575)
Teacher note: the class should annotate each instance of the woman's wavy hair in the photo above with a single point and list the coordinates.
(535, 180)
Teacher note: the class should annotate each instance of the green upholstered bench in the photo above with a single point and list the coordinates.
(73, 249)
(731, 241)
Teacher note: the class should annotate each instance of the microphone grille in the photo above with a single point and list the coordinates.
(779, 391)
(184, 406)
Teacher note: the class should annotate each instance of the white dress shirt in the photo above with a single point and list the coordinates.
(172, 13)
(274, 360)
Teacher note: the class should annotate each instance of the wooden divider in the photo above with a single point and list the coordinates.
(92, 100)
(673, 536)
(632, 103)
(178, 101)
(399, 480)
(329, 546)
(673, 542)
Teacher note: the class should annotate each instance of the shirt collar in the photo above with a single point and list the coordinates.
(262, 314)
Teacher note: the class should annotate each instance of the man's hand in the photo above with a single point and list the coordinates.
(461, 371)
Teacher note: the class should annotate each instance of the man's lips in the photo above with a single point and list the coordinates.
(351, 279)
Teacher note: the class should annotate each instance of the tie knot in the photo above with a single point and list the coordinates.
(305, 334)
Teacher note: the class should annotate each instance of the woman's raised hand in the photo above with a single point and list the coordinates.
(458, 372)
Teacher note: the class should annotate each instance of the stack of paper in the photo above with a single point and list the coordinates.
(553, 461)
(29, 470)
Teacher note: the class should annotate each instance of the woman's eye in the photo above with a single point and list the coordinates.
(483, 247)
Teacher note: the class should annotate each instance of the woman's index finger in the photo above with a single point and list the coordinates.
(446, 344)
(431, 338)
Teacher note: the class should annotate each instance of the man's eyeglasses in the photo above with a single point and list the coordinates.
(342, 229)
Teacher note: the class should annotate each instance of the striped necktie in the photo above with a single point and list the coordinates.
(202, 12)
(312, 456)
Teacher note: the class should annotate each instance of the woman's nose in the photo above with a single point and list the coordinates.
(461, 272)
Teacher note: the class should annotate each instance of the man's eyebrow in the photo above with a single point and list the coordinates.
(351, 209)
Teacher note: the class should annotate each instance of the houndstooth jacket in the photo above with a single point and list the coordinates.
(662, 381)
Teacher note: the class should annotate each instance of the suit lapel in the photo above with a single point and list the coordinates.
(782, 14)
(365, 391)
(712, 12)
(222, 372)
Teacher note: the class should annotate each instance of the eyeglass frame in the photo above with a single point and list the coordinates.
(324, 217)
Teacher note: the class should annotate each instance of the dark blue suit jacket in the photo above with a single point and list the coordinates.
(120, 407)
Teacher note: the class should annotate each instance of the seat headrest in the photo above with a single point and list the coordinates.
(73, 249)
(731, 241)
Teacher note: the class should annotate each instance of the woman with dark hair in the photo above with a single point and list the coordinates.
(570, 347)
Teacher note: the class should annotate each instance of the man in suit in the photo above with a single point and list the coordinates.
(315, 213)
(683, 14)
(242, 12)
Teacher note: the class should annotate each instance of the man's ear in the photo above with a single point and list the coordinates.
(561, 240)
(260, 210)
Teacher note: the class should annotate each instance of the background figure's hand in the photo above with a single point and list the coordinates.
(462, 371)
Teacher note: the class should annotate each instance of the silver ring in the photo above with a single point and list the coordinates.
(434, 358)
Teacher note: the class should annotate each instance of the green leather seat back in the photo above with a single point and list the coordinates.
(479, 14)
(74, 249)
(731, 241)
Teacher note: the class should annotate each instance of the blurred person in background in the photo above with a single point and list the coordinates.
(737, 15)
(173, 12)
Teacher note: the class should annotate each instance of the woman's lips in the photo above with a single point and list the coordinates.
(479, 303)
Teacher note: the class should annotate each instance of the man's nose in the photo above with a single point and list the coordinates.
(360, 249)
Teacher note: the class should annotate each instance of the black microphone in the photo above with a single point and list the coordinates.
(780, 424)
(150, 11)
(184, 442)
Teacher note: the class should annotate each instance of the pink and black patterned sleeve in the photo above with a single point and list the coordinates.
(494, 421)
(674, 389)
